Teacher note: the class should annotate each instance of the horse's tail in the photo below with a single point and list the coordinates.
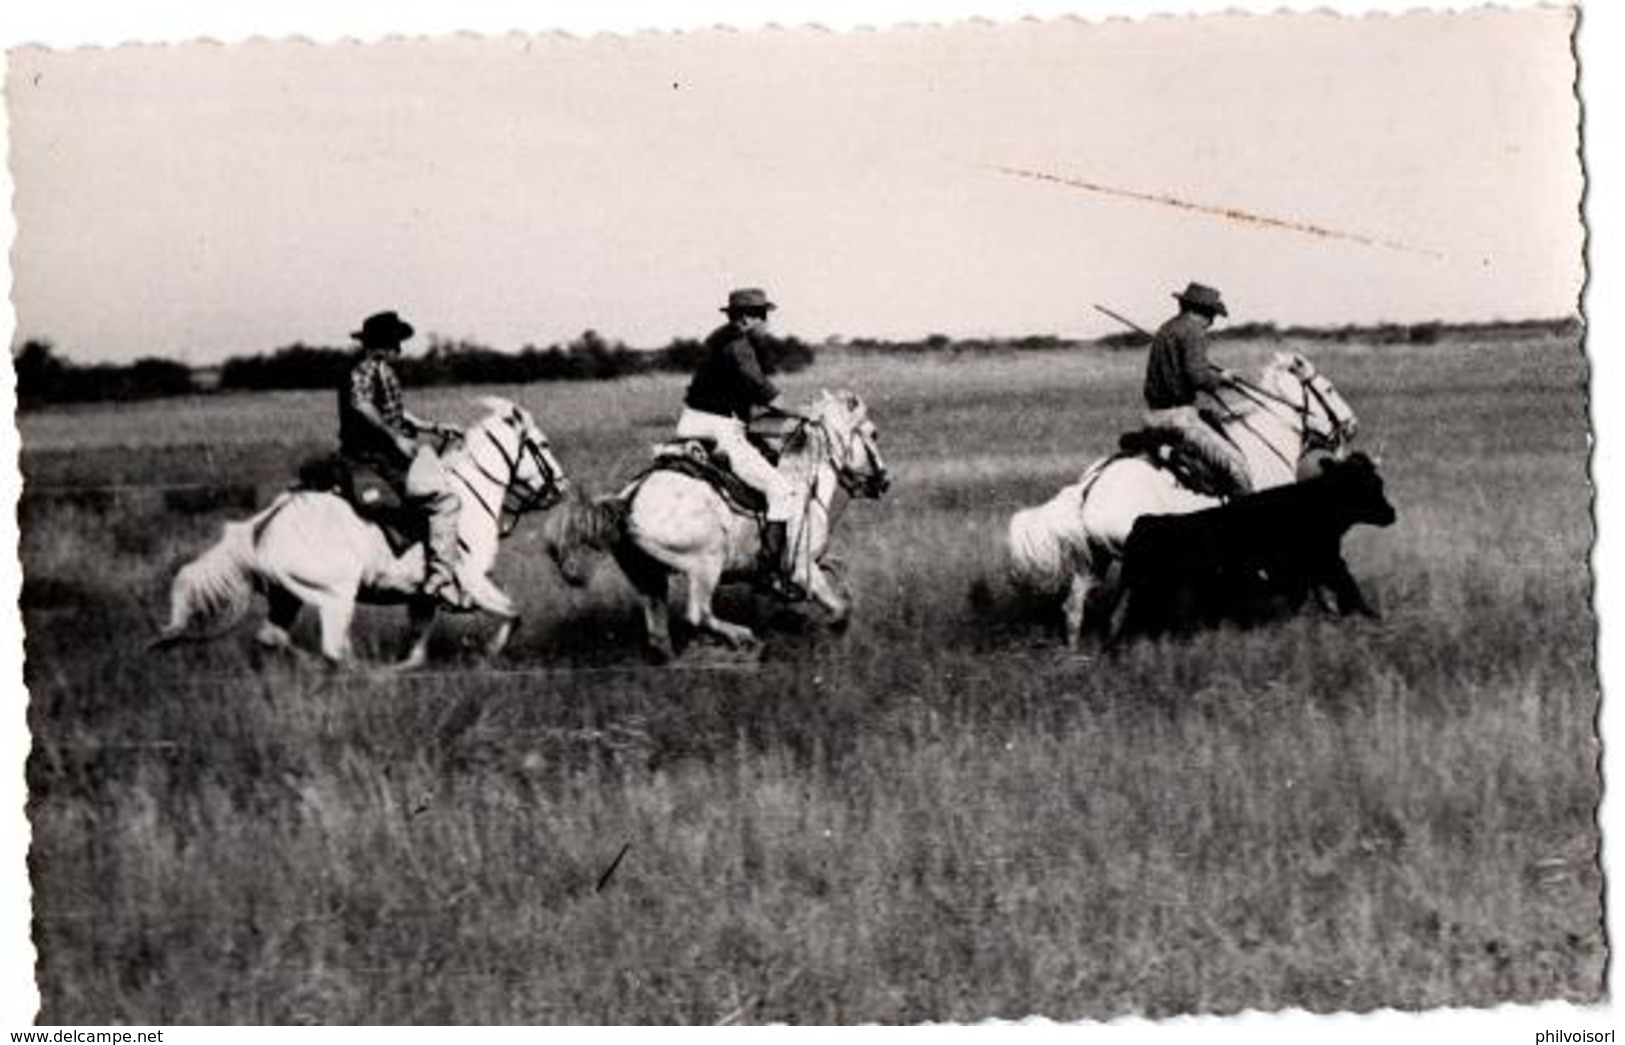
(211, 593)
(1044, 542)
(580, 527)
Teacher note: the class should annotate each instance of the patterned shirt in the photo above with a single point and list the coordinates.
(730, 380)
(374, 381)
(1178, 366)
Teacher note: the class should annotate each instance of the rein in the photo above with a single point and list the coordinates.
(532, 497)
(1257, 395)
(843, 475)
(835, 451)
(1262, 396)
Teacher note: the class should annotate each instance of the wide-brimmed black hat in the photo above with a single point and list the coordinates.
(748, 299)
(382, 328)
(1201, 296)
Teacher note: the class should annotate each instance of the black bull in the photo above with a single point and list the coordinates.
(1183, 571)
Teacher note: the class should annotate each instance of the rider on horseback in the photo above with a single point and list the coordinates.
(1178, 369)
(726, 388)
(376, 431)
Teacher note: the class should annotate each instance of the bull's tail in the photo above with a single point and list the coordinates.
(211, 593)
(580, 527)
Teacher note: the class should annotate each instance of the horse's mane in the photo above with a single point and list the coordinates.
(459, 451)
(1234, 401)
(797, 436)
(1239, 402)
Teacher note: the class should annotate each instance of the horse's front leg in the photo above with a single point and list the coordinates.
(420, 614)
(828, 589)
(486, 596)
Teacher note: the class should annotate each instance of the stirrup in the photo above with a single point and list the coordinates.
(774, 582)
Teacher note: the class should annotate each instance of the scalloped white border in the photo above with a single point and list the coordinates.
(105, 23)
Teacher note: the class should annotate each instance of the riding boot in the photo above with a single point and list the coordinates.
(441, 552)
(771, 568)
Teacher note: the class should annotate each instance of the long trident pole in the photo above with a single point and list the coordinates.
(1127, 322)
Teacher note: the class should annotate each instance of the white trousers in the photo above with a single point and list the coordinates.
(745, 460)
(1213, 447)
(429, 484)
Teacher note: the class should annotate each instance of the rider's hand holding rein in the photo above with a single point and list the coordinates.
(444, 434)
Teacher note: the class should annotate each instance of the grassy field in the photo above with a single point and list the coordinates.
(936, 816)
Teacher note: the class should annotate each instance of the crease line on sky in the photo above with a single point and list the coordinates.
(1229, 213)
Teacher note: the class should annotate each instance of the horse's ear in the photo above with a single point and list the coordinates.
(1294, 364)
(496, 404)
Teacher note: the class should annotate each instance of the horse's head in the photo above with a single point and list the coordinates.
(854, 443)
(1328, 421)
(534, 478)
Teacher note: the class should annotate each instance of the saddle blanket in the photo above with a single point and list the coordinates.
(690, 457)
(371, 494)
(1164, 448)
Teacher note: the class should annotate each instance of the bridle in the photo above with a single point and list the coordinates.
(519, 495)
(841, 456)
(1315, 387)
(838, 452)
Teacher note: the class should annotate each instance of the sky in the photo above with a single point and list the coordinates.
(198, 202)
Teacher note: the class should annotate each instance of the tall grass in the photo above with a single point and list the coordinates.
(938, 816)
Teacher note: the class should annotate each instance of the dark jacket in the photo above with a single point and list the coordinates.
(729, 380)
(1178, 368)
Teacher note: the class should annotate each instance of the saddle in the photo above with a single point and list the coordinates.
(1164, 448)
(697, 459)
(371, 494)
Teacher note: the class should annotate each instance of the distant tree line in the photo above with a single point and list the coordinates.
(44, 377)
(1429, 333)
(590, 357)
(942, 344)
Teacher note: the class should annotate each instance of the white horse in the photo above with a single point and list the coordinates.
(670, 522)
(310, 547)
(1071, 543)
